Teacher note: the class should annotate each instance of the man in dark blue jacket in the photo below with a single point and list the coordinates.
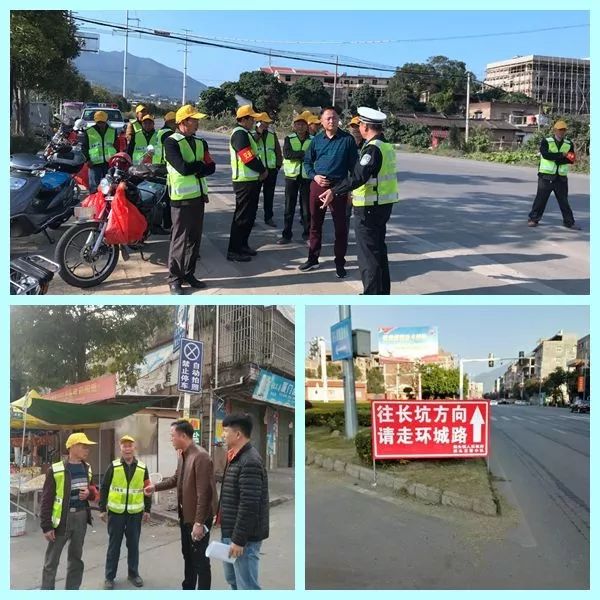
(244, 504)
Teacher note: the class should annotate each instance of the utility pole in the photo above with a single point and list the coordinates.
(323, 358)
(185, 57)
(335, 80)
(351, 417)
(187, 398)
(468, 107)
(127, 19)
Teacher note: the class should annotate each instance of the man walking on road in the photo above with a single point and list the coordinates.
(98, 147)
(269, 152)
(244, 504)
(124, 505)
(331, 155)
(557, 153)
(188, 163)
(196, 501)
(65, 511)
(247, 172)
(375, 190)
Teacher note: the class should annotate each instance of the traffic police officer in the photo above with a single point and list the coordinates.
(556, 155)
(374, 191)
(124, 505)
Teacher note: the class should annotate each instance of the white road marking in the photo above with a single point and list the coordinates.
(559, 430)
(505, 418)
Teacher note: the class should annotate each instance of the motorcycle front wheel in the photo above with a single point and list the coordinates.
(79, 267)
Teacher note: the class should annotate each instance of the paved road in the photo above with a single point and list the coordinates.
(161, 563)
(460, 229)
(361, 539)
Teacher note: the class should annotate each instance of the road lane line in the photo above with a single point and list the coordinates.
(559, 430)
(505, 418)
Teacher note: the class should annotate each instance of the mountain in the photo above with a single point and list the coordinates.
(145, 76)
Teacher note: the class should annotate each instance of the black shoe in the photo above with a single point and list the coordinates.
(532, 223)
(249, 251)
(176, 289)
(158, 230)
(309, 266)
(305, 237)
(271, 223)
(282, 241)
(340, 272)
(573, 227)
(234, 256)
(136, 580)
(109, 584)
(195, 283)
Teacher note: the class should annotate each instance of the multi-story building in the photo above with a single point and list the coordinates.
(581, 365)
(562, 84)
(475, 390)
(553, 353)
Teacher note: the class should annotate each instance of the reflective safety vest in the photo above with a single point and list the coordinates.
(292, 167)
(58, 470)
(266, 150)
(123, 495)
(185, 187)
(101, 148)
(141, 146)
(239, 171)
(549, 167)
(159, 158)
(383, 188)
(136, 126)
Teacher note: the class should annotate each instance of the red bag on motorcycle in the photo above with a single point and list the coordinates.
(82, 177)
(96, 201)
(126, 224)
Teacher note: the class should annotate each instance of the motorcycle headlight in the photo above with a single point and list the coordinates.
(104, 186)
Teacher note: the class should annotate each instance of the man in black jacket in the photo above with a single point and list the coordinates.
(244, 504)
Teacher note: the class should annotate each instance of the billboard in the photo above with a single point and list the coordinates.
(398, 344)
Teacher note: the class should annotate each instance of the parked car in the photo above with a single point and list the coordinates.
(115, 116)
(580, 406)
(493, 402)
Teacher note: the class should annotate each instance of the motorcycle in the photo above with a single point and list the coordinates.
(86, 259)
(31, 275)
(43, 192)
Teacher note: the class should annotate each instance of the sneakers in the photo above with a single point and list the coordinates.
(282, 241)
(573, 226)
(248, 251)
(309, 266)
(109, 584)
(340, 272)
(234, 256)
(532, 223)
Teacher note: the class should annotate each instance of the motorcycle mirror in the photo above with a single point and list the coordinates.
(150, 148)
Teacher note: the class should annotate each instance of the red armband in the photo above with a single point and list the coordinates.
(246, 155)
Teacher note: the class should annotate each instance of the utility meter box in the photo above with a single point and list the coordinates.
(361, 342)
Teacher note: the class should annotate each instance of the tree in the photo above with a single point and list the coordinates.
(437, 382)
(217, 101)
(375, 381)
(308, 91)
(455, 139)
(358, 374)
(60, 345)
(334, 370)
(310, 373)
(42, 45)
(554, 385)
(265, 91)
(413, 134)
(364, 96)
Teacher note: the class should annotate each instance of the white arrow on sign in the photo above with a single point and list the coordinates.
(477, 422)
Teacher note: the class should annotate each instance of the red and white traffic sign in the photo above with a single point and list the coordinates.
(429, 429)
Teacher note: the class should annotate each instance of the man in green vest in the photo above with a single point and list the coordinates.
(269, 152)
(247, 173)
(147, 136)
(557, 153)
(297, 182)
(135, 125)
(65, 511)
(124, 505)
(188, 163)
(99, 145)
(159, 158)
(375, 191)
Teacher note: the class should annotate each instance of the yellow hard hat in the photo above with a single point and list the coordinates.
(314, 119)
(148, 118)
(100, 117)
(303, 116)
(246, 111)
(170, 116)
(188, 112)
(78, 438)
(560, 125)
(263, 117)
(140, 108)
(354, 121)
(127, 438)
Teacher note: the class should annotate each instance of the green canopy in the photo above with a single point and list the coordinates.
(64, 413)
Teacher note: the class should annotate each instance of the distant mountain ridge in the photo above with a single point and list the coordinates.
(145, 76)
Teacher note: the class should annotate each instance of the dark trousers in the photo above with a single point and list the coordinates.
(294, 188)
(73, 532)
(129, 526)
(196, 566)
(246, 205)
(370, 225)
(167, 221)
(268, 189)
(317, 217)
(95, 174)
(186, 236)
(546, 185)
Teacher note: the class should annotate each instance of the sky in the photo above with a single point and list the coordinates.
(270, 29)
(466, 331)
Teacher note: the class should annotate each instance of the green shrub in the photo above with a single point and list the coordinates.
(363, 444)
(333, 417)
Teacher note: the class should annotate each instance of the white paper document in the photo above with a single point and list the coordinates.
(219, 551)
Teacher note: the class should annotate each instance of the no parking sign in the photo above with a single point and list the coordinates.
(190, 366)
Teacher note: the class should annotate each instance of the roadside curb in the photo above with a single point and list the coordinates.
(428, 494)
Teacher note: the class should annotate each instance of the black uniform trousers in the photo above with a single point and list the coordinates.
(246, 204)
(370, 226)
(186, 235)
(131, 527)
(293, 188)
(196, 565)
(546, 185)
(268, 189)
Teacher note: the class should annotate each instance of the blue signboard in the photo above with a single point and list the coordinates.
(189, 378)
(274, 389)
(341, 340)
(181, 319)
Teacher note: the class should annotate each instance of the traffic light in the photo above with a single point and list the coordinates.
(490, 359)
